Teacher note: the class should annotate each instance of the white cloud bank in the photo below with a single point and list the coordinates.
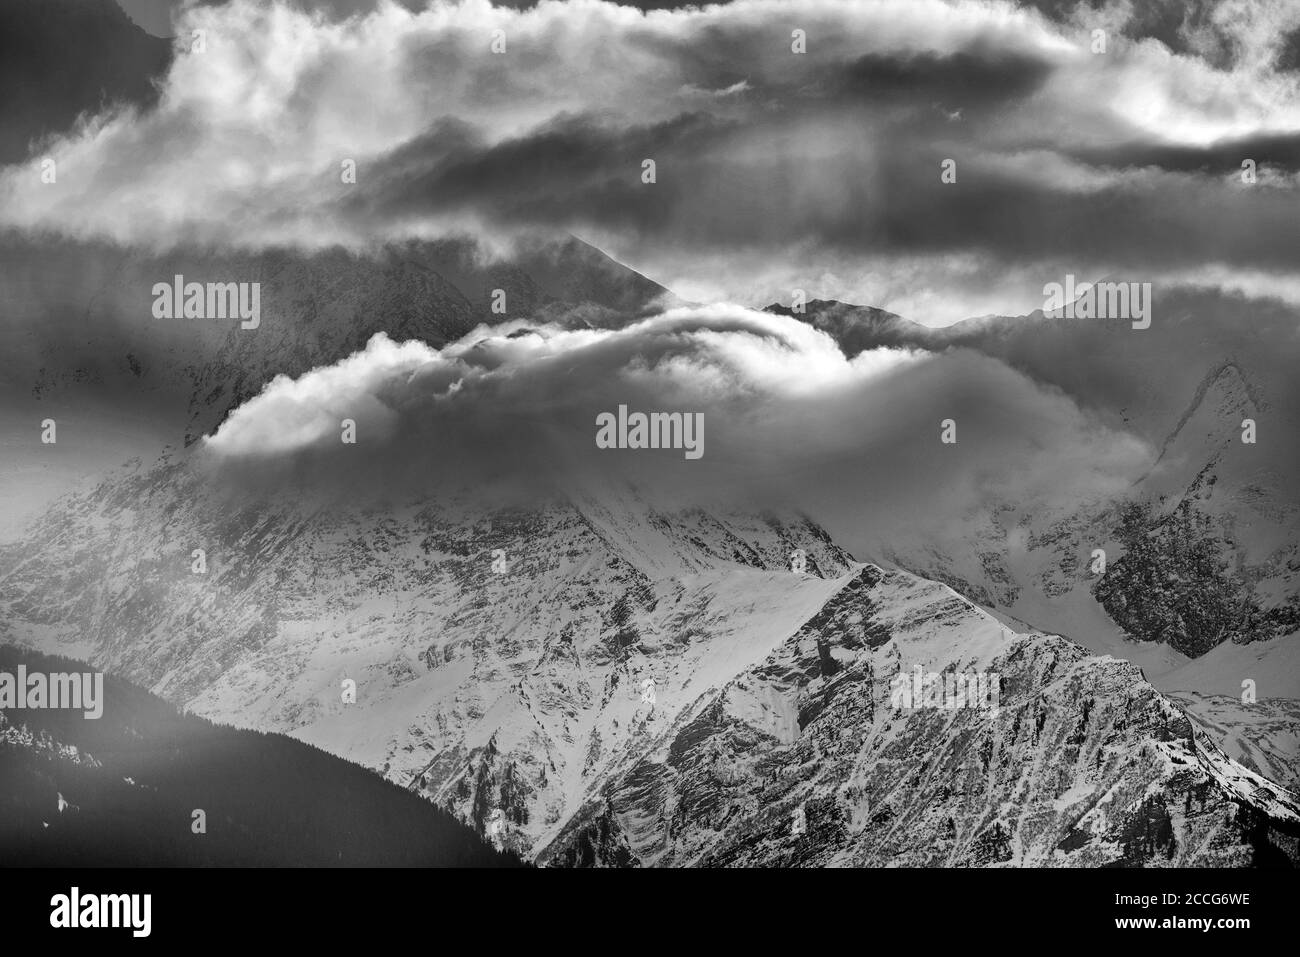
(790, 422)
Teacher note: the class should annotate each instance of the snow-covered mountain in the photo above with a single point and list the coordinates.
(1184, 387)
(1200, 549)
(592, 679)
(595, 681)
(805, 758)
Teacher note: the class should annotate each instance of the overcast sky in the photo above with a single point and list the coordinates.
(775, 170)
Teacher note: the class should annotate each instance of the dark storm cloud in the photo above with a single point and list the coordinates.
(1279, 151)
(581, 175)
(967, 79)
(774, 169)
(573, 170)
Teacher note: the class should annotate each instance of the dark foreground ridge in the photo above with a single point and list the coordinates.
(123, 789)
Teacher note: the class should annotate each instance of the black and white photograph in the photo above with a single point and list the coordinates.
(853, 436)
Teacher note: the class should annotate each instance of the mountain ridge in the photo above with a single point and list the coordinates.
(147, 785)
(630, 628)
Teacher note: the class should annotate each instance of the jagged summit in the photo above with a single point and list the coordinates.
(857, 328)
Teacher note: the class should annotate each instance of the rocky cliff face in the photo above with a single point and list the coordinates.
(805, 760)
